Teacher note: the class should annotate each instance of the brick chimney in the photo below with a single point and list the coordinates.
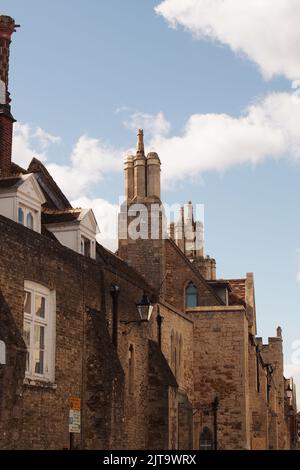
(7, 28)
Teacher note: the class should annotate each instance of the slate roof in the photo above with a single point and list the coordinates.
(10, 182)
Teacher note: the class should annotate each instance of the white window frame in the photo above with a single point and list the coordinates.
(92, 246)
(26, 211)
(49, 323)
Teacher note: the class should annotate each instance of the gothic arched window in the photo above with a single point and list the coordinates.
(21, 216)
(206, 440)
(29, 220)
(191, 295)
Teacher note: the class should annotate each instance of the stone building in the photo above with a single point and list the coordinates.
(192, 375)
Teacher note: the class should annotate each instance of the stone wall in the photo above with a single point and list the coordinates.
(221, 370)
(179, 272)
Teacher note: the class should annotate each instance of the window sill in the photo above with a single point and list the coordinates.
(39, 383)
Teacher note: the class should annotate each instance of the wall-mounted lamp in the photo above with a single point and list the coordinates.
(144, 308)
(289, 392)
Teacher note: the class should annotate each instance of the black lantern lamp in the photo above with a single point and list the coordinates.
(145, 308)
(289, 392)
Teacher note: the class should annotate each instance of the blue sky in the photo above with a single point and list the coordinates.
(88, 72)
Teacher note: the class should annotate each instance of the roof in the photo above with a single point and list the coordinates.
(17, 170)
(54, 196)
(56, 216)
(238, 294)
(221, 283)
(10, 182)
(13, 182)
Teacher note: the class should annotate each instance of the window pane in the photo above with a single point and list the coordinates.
(38, 361)
(40, 306)
(38, 352)
(26, 336)
(29, 220)
(21, 216)
(191, 296)
(27, 303)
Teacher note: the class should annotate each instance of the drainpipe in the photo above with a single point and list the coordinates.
(114, 292)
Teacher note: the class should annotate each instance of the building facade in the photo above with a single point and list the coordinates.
(194, 375)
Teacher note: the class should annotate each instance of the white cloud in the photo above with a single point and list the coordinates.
(267, 32)
(153, 124)
(267, 128)
(89, 161)
(29, 142)
(45, 138)
(107, 218)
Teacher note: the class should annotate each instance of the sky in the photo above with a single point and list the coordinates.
(216, 86)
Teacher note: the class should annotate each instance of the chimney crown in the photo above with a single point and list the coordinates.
(140, 149)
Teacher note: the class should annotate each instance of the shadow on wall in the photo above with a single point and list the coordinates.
(11, 379)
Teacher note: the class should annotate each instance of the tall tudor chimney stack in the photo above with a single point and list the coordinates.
(7, 28)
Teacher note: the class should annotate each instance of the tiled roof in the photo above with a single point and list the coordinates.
(238, 294)
(55, 216)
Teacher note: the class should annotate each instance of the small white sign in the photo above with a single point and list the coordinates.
(74, 421)
(74, 415)
(2, 353)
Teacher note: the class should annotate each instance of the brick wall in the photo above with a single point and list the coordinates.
(78, 282)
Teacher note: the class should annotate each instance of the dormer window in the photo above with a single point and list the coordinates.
(21, 199)
(27, 217)
(29, 220)
(74, 228)
(86, 248)
(21, 216)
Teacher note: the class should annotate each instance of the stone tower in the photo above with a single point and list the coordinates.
(7, 28)
(142, 227)
(188, 235)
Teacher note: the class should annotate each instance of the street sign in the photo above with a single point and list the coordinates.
(74, 416)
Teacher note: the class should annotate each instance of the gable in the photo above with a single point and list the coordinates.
(180, 271)
(88, 221)
(30, 189)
